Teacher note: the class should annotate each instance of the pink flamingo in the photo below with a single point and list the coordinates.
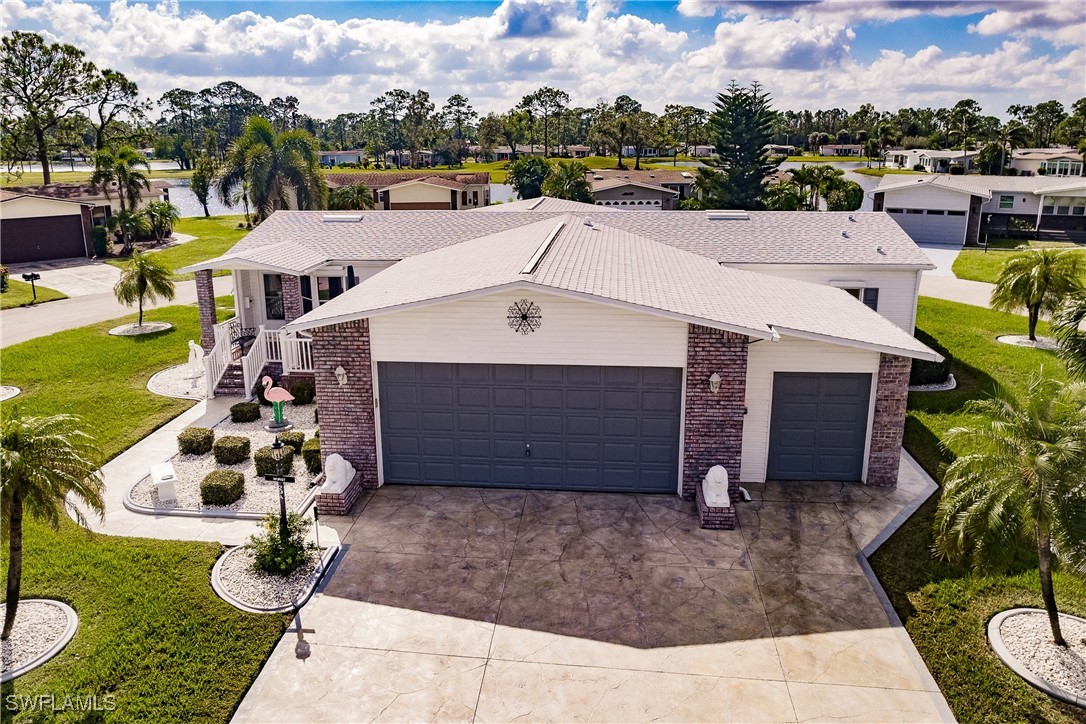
(277, 396)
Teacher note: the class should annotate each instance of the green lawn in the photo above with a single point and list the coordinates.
(152, 634)
(981, 266)
(35, 178)
(215, 235)
(815, 158)
(945, 607)
(19, 294)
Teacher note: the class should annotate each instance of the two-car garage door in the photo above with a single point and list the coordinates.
(531, 426)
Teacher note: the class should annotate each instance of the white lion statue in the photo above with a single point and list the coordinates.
(338, 474)
(715, 488)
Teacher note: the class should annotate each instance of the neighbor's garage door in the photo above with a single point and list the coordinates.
(531, 426)
(932, 227)
(51, 237)
(818, 427)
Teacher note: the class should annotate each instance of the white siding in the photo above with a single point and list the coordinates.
(1025, 202)
(897, 288)
(926, 196)
(247, 291)
(29, 207)
(790, 355)
(573, 332)
(421, 193)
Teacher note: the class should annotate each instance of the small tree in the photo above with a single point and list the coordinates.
(42, 460)
(122, 168)
(567, 181)
(527, 174)
(1069, 324)
(1019, 478)
(351, 198)
(1038, 280)
(128, 225)
(161, 215)
(202, 179)
(144, 277)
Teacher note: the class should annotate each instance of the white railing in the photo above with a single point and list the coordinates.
(297, 353)
(218, 359)
(254, 361)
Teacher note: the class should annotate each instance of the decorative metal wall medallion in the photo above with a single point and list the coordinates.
(524, 316)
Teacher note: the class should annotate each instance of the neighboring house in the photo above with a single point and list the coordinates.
(963, 209)
(779, 150)
(841, 149)
(646, 152)
(41, 228)
(505, 153)
(641, 189)
(933, 161)
(700, 151)
(102, 205)
(425, 158)
(416, 189)
(576, 150)
(335, 158)
(547, 203)
(626, 351)
(1064, 161)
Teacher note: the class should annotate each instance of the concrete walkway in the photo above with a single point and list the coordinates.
(75, 277)
(956, 290)
(20, 324)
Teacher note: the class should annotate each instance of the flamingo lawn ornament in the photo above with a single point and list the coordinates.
(278, 397)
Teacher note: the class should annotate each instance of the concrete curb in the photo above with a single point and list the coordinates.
(950, 384)
(135, 507)
(56, 648)
(152, 388)
(8, 392)
(995, 640)
(327, 556)
(152, 328)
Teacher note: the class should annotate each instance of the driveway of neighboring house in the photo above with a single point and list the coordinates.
(461, 604)
(78, 277)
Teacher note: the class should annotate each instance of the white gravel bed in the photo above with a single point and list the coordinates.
(177, 382)
(8, 391)
(1028, 637)
(259, 589)
(135, 330)
(301, 416)
(1023, 340)
(949, 384)
(38, 625)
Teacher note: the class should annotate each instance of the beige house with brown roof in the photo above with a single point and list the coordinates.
(420, 190)
(646, 189)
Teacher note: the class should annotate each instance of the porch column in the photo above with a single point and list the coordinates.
(205, 301)
(713, 427)
(292, 297)
(888, 425)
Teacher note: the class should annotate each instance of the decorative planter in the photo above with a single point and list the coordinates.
(995, 640)
(327, 556)
(55, 648)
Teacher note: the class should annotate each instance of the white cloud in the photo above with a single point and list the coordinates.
(759, 43)
(1062, 23)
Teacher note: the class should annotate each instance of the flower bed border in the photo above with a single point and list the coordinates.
(55, 648)
(995, 640)
(135, 507)
(328, 555)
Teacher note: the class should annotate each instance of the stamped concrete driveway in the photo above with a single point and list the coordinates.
(456, 604)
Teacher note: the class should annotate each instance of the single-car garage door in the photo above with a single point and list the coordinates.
(530, 426)
(818, 427)
(932, 226)
(40, 239)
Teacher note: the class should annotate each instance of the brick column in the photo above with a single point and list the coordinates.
(346, 412)
(888, 427)
(205, 301)
(292, 297)
(713, 429)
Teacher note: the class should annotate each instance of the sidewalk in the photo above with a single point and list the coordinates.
(956, 290)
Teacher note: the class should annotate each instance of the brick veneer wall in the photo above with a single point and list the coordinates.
(292, 297)
(205, 301)
(713, 428)
(712, 517)
(888, 426)
(346, 412)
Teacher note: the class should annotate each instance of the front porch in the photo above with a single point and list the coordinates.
(240, 356)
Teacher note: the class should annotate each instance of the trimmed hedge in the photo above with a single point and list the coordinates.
(245, 412)
(265, 461)
(222, 487)
(303, 393)
(258, 393)
(195, 441)
(924, 372)
(231, 450)
(311, 455)
(294, 438)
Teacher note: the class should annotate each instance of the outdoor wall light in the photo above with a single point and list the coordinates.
(341, 375)
(714, 383)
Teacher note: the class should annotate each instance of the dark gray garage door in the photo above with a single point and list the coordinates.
(818, 426)
(530, 426)
(51, 237)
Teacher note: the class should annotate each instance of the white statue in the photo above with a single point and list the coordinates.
(196, 362)
(341, 375)
(715, 488)
(338, 474)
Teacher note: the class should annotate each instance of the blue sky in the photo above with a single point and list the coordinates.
(335, 56)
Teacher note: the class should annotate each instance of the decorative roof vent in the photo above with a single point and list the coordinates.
(851, 218)
(341, 217)
(879, 249)
(587, 221)
(844, 234)
(727, 215)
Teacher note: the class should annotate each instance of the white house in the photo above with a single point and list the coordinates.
(335, 158)
(1064, 161)
(841, 149)
(932, 160)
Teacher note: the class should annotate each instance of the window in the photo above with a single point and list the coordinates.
(871, 297)
(273, 296)
(1006, 202)
(1049, 205)
(935, 212)
(955, 213)
(894, 211)
(1078, 207)
(914, 211)
(854, 292)
(306, 285)
(328, 288)
(1063, 205)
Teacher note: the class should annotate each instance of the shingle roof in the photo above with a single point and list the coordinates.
(76, 191)
(546, 203)
(429, 180)
(656, 177)
(600, 262)
(614, 183)
(765, 237)
(382, 179)
(982, 185)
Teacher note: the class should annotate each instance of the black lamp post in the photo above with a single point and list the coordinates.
(277, 455)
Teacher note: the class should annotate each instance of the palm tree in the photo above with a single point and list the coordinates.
(1020, 477)
(122, 168)
(275, 165)
(144, 277)
(128, 225)
(785, 196)
(1009, 136)
(1069, 324)
(42, 460)
(161, 215)
(350, 198)
(1037, 280)
(567, 181)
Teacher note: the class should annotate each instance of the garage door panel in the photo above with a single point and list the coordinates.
(472, 422)
(398, 445)
(621, 426)
(620, 399)
(470, 447)
(517, 374)
(546, 424)
(401, 420)
(437, 421)
(578, 425)
(438, 447)
(543, 374)
(439, 472)
(663, 427)
(473, 396)
(508, 449)
(659, 402)
(652, 453)
(507, 423)
(590, 376)
(544, 398)
(543, 449)
(583, 399)
(516, 398)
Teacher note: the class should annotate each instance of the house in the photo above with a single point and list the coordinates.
(1064, 161)
(104, 202)
(505, 153)
(641, 189)
(416, 189)
(628, 351)
(954, 210)
(776, 149)
(406, 159)
(700, 151)
(547, 203)
(335, 158)
(576, 150)
(932, 161)
(41, 228)
(841, 149)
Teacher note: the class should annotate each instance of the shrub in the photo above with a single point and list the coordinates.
(303, 393)
(930, 373)
(195, 441)
(265, 461)
(258, 393)
(281, 557)
(294, 438)
(231, 450)
(311, 455)
(222, 487)
(4, 271)
(101, 242)
(245, 412)
(956, 169)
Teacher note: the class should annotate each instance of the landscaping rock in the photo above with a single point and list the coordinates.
(1028, 637)
(1023, 340)
(38, 626)
(262, 590)
(175, 382)
(135, 330)
(8, 391)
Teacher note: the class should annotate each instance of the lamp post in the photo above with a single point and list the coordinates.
(277, 455)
